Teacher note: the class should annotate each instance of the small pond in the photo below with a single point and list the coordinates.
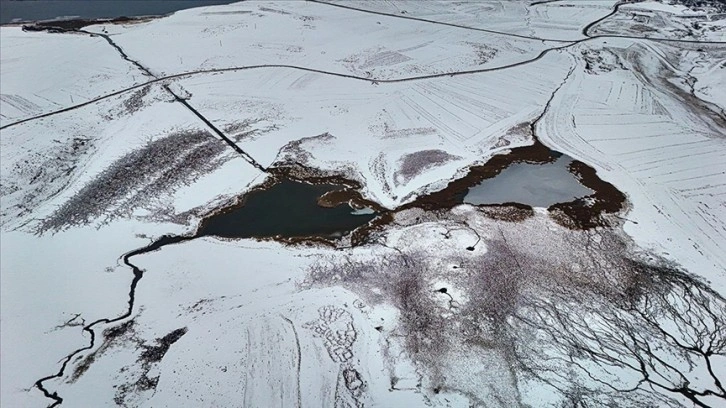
(534, 184)
(288, 209)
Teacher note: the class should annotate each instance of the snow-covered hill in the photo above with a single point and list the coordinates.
(117, 139)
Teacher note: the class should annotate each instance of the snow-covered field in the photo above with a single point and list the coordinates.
(459, 306)
(41, 73)
(315, 36)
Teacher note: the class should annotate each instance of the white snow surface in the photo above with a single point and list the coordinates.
(553, 20)
(319, 85)
(41, 73)
(314, 36)
(648, 138)
(368, 132)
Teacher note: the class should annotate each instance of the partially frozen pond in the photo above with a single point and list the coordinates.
(534, 184)
(533, 176)
(287, 209)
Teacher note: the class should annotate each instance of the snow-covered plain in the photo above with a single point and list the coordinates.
(558, 20)
(464, 306)
(315, 36)
(41, 73)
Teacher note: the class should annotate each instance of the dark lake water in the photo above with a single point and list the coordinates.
(288, 209)
(34, 10)
(537, 185)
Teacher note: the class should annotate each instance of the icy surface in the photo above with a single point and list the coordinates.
(538, 185)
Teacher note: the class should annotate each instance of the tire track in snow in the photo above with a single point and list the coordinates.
(298, 361)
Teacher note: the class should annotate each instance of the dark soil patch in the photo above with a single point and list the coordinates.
(335, 198)
(455, 191)
(513, 212)
(582, 213)
(136, 179)
(586, 213)
(112, 337)
(153, 354)
(349, 191)
(361, 235)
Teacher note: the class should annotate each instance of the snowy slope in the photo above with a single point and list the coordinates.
(69, 176)
(368, 130)
(47, 162)
(371, 326)
(246, 310)
(655, 143)
(41, 72)
(403, 106)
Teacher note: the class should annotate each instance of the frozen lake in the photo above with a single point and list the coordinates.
(15, 11)
(538, 185)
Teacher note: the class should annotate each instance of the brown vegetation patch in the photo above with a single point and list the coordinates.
(513, 212)
(587, 212)
(349, 193)
(138, 178)
(577, 311)
(411, 165)
(334, 198)
(455, 191)
(361, 235)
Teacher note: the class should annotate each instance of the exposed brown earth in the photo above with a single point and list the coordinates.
(586, 212)
(454, 192)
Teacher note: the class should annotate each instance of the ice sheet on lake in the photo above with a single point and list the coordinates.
(538, 185)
